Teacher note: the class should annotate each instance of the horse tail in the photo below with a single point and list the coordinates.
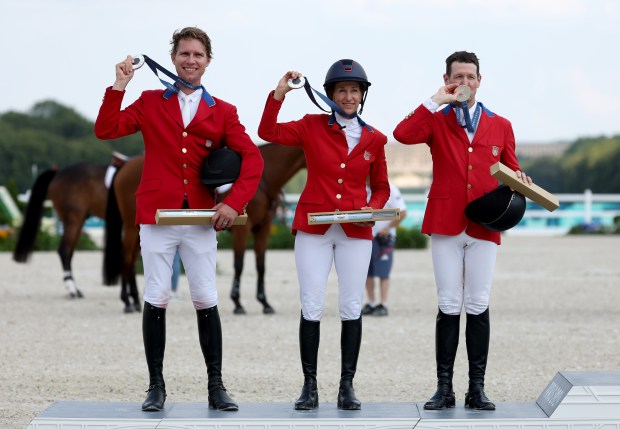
(32, 217)
(112, 254)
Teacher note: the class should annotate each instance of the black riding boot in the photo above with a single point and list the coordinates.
(350, 341)
(477, 336)
(154, 336)
(210, 336)
(446, 344)
(309, 336)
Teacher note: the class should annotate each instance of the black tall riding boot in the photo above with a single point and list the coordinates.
(309, 336)
(477, 335)
(154, 336)
(446, 344)
(350, 341)
(210, 336)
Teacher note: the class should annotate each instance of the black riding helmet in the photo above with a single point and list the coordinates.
(221, 167)
(346, 70)
(498, 210)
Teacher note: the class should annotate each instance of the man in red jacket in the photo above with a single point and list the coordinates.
(180, 127)
(465, 140)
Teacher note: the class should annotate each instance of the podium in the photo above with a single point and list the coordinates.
(584, 400)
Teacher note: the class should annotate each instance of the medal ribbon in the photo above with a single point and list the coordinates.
(470, 124)
(174, 88)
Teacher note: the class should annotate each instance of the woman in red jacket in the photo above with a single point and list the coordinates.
(465, 140)
(341, 152)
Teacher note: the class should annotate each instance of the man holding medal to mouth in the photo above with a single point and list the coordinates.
(181, 127)
(465, 139)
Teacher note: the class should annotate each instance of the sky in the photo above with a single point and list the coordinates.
(548, 66)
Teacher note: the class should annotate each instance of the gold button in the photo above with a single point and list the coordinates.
(469, 167)
(340, 180)
(186, 181)
(184, 165)
(342, 165)
(338, 196)
(184, 134)
(469, 186)
(184, 150)
(470, 150)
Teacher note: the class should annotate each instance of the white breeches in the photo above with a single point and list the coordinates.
(314, 256)
(197, 246)
(463, 272)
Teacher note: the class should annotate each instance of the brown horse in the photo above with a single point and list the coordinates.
(281, 163)
(77, 192)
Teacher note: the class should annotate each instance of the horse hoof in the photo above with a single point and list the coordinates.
(72, 295)
(239, 310)
(78, 294)
(137, 307)
(268, 309)
(128, 309)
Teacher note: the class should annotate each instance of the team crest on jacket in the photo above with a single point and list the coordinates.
(367, 155)
(209, 143)
(495, 150)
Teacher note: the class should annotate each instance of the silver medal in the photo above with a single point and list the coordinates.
(297, 82)
(138, 61)
(463, 93)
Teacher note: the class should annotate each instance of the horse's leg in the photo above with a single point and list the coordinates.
(68, 242)
(261, 237)
(133, 283)
(240, 238)
(125, 295)
(129, 284)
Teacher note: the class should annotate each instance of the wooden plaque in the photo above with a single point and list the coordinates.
(322, 218)
(191, 217)
(533, 192)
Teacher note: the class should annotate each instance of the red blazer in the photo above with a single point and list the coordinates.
(336, 179)
(460, 169)
(174, 154)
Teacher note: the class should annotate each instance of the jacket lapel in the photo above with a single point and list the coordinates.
(173, 108)
(203, 112)
(362, 145)
(484, 124)
(453, 125)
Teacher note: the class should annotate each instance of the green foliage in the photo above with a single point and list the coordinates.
(280, 237)
(49, 241)
(52, 135)
(7, 241)
(410, 238)
(589, 163)
(46, 241)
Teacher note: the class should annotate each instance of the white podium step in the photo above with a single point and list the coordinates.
(584, 400)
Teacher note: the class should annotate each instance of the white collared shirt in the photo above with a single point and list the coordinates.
(192, 101)
(352, 130)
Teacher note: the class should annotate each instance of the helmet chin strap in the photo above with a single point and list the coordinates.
(335, 108)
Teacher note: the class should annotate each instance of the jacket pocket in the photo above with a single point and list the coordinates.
(439, 191)
(148, 185)
(312, 198)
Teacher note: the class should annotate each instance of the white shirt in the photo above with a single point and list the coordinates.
(189, 102)
(352, 130)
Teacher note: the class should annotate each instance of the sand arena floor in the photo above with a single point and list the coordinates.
(555, 306)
